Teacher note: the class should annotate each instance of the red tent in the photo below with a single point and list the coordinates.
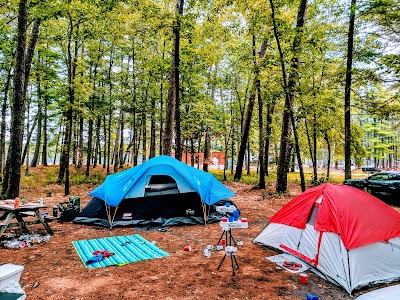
(358, 217)
(349, 236)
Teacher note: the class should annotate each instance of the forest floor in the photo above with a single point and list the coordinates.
(53, 270)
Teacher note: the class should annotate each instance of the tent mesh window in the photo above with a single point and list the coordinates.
(161, 184)
(161, 179)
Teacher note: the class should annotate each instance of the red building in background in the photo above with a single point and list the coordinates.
(216, 158)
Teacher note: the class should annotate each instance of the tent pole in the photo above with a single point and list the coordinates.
(108, 214)
(205, 214)
(108, 210)
(115, 212)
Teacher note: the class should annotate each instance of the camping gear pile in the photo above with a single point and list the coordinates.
(68, 209)
(347, 236)
(12, 241)
(160, 192)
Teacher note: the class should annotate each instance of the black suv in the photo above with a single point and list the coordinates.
(383, 185)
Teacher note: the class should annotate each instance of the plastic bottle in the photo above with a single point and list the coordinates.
(41, 202)
(16, 202)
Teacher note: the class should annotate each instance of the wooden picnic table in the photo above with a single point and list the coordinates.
(23, 211)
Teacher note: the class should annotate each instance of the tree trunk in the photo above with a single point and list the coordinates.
(39, 127)
(60, 133)
(89, 144)
(347, 93)
(12, 179)
(173, 92)
(79, 150)
(144, 123)
(153, 128)
(328, 144)
(261, 147)
(248, 157)
(250, 106)
(44, 149)
(192, 156)
(161, 103)
(315, 162)
(116, 144)
(207, 149)
(144, 139)
(135, 138)
(198, 153)
(298, 153)
(110, 101)
(97, 151)
(3, 123)
(72, 57)
(135, 149)
(289, 88)
(121, 145)
(268, 132)
(310, 148)
(178, 139)
(27, 146)
(105, 141)
(25, 153)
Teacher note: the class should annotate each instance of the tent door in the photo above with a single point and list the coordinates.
(309, 242)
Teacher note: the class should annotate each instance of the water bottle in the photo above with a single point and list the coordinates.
(41, 202)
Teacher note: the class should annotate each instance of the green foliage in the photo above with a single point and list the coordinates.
(43, 177)
(95, 178)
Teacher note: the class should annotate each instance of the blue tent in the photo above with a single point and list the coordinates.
(132, 183)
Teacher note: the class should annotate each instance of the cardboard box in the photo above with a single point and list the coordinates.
(10, 272)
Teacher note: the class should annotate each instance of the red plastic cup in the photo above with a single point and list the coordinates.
(224, 219)
(243, 220)
(223, 243)
(187, 248)
(303, 278)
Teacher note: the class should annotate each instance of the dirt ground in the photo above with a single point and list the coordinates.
(53, 270)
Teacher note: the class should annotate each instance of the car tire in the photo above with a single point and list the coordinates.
(367, 190)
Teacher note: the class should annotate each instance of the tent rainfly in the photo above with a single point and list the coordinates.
(346, 235)
(161, 191)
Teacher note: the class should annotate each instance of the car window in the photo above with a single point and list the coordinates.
(379, 177)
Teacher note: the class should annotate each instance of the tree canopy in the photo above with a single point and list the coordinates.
(98, 83)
